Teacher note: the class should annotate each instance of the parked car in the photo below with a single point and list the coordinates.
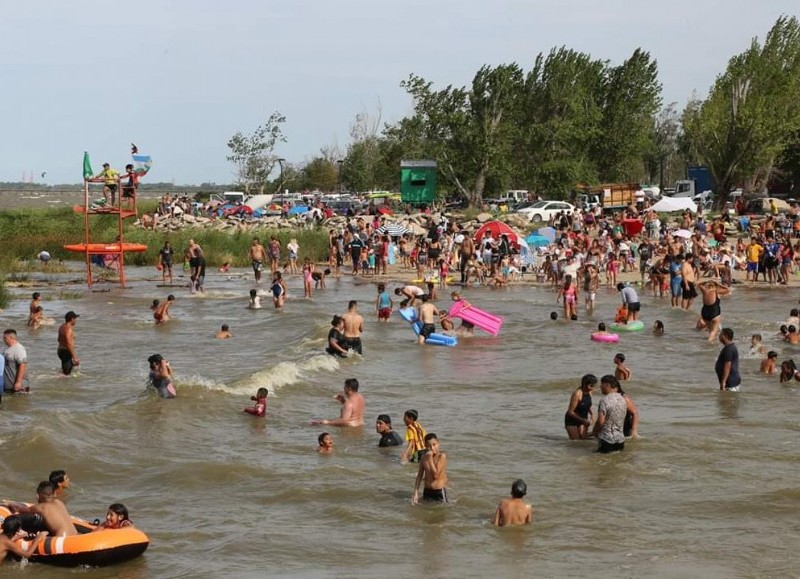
(544, 210)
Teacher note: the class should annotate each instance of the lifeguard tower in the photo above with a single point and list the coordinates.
(113, 252)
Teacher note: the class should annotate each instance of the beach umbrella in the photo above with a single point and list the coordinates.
(393, 229)
(632, 226)
(685, 233)
(548, 232)
(498, 228)
(383, 210)
(536, 240)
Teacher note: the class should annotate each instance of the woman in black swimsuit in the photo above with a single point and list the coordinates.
(579, 412)
(711, 313)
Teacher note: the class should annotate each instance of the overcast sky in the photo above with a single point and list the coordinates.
(179, 77)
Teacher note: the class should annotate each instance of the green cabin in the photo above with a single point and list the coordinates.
(418, 181)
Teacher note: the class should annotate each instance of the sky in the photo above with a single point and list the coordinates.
(180, 77)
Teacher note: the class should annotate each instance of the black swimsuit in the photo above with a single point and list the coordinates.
(582, 410)
(708, 313)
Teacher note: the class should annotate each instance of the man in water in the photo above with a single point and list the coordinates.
(353, 404)
(689, 279)
(630, 299)
(410, 292)
(15, 372)
(53, 513)
(66, 343)
(389, 437)
(433, 469)
(257, 255)
(514, 511)
(427, 315)
(224, 333)
(727, 366)
(609, 428)
(353, 326)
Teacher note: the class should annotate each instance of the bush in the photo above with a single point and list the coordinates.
(5, 295)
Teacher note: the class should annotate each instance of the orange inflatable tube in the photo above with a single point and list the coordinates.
(95, 549)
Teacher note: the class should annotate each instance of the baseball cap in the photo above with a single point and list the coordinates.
(106, 165)
(70, 315)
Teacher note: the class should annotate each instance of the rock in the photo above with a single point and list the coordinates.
(484, 217)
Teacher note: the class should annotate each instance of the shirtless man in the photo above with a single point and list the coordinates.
(410, 292)
(689, 279)
(427, 313)
(514, 511)
(353, 326)
(352, 407)
(224, 333)
(52, 511)
(433, 469)
(161, 313)
(465, 254)
(257, 255)
(66, 343)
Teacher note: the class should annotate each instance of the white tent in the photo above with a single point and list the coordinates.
(669, 204)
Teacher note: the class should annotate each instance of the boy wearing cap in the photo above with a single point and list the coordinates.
(66, 343)
(389, 437)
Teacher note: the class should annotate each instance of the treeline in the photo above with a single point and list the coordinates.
(573, 118)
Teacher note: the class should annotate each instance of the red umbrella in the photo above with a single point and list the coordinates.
(383, 210)
(498, 228)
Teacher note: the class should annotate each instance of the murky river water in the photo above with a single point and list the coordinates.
(709, 490)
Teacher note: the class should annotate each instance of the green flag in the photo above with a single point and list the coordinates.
(87, 166)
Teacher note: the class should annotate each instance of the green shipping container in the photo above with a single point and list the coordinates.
(418, 182)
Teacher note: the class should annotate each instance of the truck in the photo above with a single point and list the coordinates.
(611, 195)
(699, 180)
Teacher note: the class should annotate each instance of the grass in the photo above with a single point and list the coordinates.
(26, 232)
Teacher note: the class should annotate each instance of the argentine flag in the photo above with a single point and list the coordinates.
(142, 164)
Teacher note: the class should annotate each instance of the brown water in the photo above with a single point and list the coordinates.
(709, 490)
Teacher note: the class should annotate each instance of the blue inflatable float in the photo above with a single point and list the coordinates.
(410, 315)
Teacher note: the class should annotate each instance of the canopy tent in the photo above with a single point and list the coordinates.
(548, 232)
(670, 204)
(496, 229)
(536, 240)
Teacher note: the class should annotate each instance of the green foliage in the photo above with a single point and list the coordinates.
(752, 112)
(5, 295)
(254, 155)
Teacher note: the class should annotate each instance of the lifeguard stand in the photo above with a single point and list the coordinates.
(418, 181)
(116, 248)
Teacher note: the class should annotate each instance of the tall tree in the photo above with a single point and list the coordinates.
(751, 113)
(631, 97)
(469, 131)
(254, 156)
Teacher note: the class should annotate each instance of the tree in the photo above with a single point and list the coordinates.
(663, 161)
(321, 173)
(254, 155)
(752, 112)
(469, 131)
(631, 97)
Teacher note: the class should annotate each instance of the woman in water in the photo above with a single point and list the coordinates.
(569, 291)
(579, 412)
(631, 426)
(789, 371)
(308, 270)
(336, 338)
(711, 313)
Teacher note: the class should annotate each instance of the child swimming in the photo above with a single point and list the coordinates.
(260, 406)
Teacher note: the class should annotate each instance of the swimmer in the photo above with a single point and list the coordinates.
(353, 403)
(411, 292)
(225, 267)
(789, 371)
(161, 310)
(278, 290)
(260, 406)
(466, 328)
(53, 513)
(224, 333)
(601, 330)
(9, 531)
(255, 301)
(36, 302)
(756, 347)
(579, 412)
(622, 315)
(569, 291)
(514, 511)
(161, 376)
(658, 328)
(36, 318)
(792, 336)
(415, 437)
(446, 322)
(117, 517)
(325, 441)
(433, 470)
(60, 480)
(554, 316)
(768, 363)
(427, 311)
(308, 270)
(622, 372)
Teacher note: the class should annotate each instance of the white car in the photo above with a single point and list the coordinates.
(544, 210)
